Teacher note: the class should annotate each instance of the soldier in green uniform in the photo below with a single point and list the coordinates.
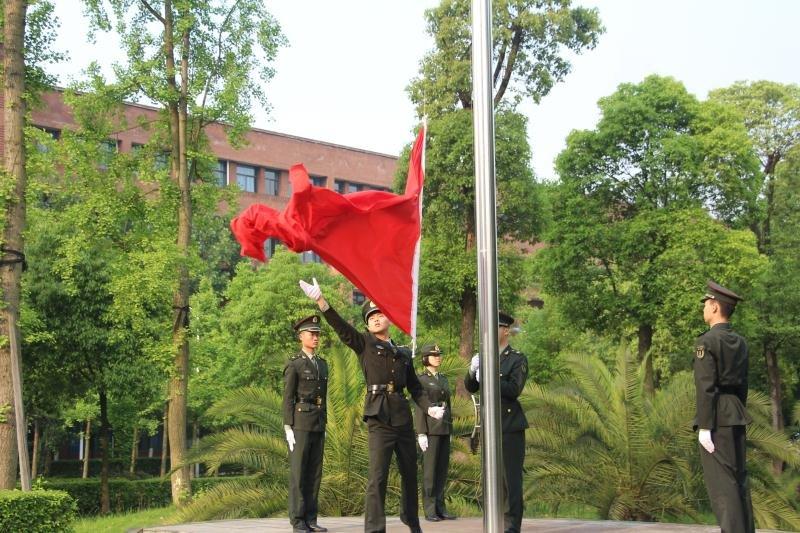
(720, 377)
(434, 435)
(513, 374)
(388, 373)
(304, 415)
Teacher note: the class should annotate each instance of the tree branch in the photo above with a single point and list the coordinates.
(516, 41)
(152, 11)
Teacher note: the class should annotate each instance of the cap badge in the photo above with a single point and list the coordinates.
(700, 352)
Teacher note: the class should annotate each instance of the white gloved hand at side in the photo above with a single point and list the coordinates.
(704, 436)
(312, 290)
(436, 412)
(423, 442)
(289, 437)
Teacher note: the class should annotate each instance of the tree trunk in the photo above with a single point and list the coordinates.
(87, 440)
(645, 341)
(35, 459)
(775, 400)
(105, 500)
(469, 305)
(48, 457)
(164, 441)
(12, 147)
(180, 481)
(134, 451)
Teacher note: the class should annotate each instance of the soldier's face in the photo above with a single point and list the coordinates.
(435, 360)
(377, 323)
(309, 339)
(502, 334)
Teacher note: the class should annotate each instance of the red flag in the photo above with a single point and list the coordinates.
(371, 237)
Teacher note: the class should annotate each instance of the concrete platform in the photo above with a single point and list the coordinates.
(462, 525)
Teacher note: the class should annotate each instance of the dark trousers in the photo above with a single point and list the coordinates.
(305, 474)
(513, 460)
(435, 462)
(725, 476)
(385, 440)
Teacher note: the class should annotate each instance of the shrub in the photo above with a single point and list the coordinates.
(125, 494)
(37, 511)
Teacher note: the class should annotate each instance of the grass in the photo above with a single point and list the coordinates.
(119, 523)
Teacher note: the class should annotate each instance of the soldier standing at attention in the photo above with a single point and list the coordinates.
(388, 372)
(434, 435)
(304, 415)
(720, 378)
(513, 374)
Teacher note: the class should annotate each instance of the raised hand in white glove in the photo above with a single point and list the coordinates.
(312, 290)
(436, 412)
(474, 364)
(704, 436)
(289, 437)
(423, 442)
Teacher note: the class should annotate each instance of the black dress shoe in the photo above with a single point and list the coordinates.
(415, 529)
(432, 518)
(316, 527)
(447, 516)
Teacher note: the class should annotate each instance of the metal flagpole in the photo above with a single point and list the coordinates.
(486, 231)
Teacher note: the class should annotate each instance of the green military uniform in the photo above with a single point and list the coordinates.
(720, 376)
(388, 372)
(513, 375)
(305, 410)
(436, 459)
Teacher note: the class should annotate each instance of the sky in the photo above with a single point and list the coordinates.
(343, 77)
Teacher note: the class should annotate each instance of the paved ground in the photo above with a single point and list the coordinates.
(463, 525)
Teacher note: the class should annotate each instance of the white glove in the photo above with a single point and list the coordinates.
(436, 412)
(289, 437)
(475, 364)
(312, 291)
(423, 442)
(704, 436)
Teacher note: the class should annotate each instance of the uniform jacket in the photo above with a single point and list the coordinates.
(437, 390)
(513, 374)
(720, 378)
(382, 362)
(305, 393)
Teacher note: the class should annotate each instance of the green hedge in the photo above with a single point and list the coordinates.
(37, 511)
(125, 494)
(145, 466)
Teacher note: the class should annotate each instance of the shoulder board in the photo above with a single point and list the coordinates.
(294, 357)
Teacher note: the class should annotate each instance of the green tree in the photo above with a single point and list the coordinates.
(197, 59)
(771, 113)
(630, 190)
(530, 40)
(602, 441)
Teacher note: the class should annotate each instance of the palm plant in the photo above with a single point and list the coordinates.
(598, 440)
(255, 441)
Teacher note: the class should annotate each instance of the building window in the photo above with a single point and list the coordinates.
(220, 172)
(340, 186)
(54, 134)
(161, 161)
(310, 257)
(269, 247)
(318, 181)
(354, 187)
(271, 182)
(108, 149)
(246, 178)
(358, 297)
(346, 187)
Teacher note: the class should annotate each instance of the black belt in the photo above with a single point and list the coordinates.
(314, 401)
(728, 389)
(388, 387)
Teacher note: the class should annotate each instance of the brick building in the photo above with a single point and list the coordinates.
(260, 168)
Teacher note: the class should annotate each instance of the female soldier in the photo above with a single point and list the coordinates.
(434, 435)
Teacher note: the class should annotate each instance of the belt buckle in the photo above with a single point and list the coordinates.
(318, 400)
(390, 387)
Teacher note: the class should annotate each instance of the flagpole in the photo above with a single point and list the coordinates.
(486, 232)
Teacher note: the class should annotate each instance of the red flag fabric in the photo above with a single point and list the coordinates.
(371, 237)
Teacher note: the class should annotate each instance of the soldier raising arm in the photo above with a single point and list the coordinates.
(388, 372)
